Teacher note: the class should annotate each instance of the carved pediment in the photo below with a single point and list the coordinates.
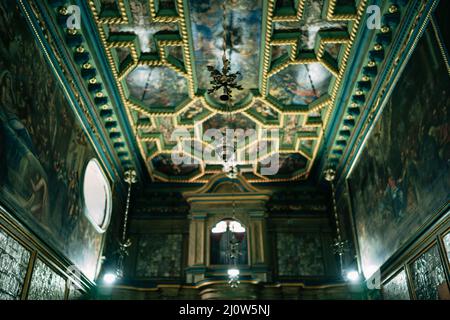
(222, 188)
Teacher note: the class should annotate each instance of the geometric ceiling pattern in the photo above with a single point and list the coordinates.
(292, 55)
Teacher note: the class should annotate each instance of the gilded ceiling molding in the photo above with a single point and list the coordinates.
(270, 4)
(68, 85)
(368, 75)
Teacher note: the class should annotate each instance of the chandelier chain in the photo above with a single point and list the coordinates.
(125, 219)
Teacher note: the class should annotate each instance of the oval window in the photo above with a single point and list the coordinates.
(97, 196)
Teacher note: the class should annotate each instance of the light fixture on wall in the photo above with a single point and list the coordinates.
(339, 246)
(224, 79)
(109, 278)
(124, 243)
(352, 276)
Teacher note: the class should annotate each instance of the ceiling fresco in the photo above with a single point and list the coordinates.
(292, 55)
(243, 19)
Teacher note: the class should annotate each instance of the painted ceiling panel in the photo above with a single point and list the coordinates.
(164, 164)
(157, 87)
(300, 84)
(141, 25)
(244, 25)
(223, 122)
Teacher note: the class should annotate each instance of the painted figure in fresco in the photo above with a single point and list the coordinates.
(193, 111)
(395, 198)
(291, 163)
(290, 129)
(19, 156)
(266, 111)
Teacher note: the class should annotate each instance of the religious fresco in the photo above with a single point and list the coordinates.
(290, 164)
(43, 150)
(300, 84)
(244, 24)
(193, 33)
(264, 112)
(159, 256)
(292, 125)
(163, 125)
(223, 122)
(310, 25)
(163, 163)
(157, 87)
(299, 254)
(190, 115)
(402, 177)
(396, 288)
(142, 26)
(428, 276)
(281, 165)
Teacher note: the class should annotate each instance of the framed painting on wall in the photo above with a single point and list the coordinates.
(401, 180)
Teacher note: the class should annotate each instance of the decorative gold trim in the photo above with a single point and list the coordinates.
(64, 88)
(29, 274)
(390, 80)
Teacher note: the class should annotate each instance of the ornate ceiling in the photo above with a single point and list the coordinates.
(293, 56)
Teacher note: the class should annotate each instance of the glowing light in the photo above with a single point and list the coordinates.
(109, 278)
(233, 273)
(236, 227)
(221, 227)
(353, 276)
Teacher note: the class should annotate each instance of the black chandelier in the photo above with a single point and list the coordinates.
(224, 79)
